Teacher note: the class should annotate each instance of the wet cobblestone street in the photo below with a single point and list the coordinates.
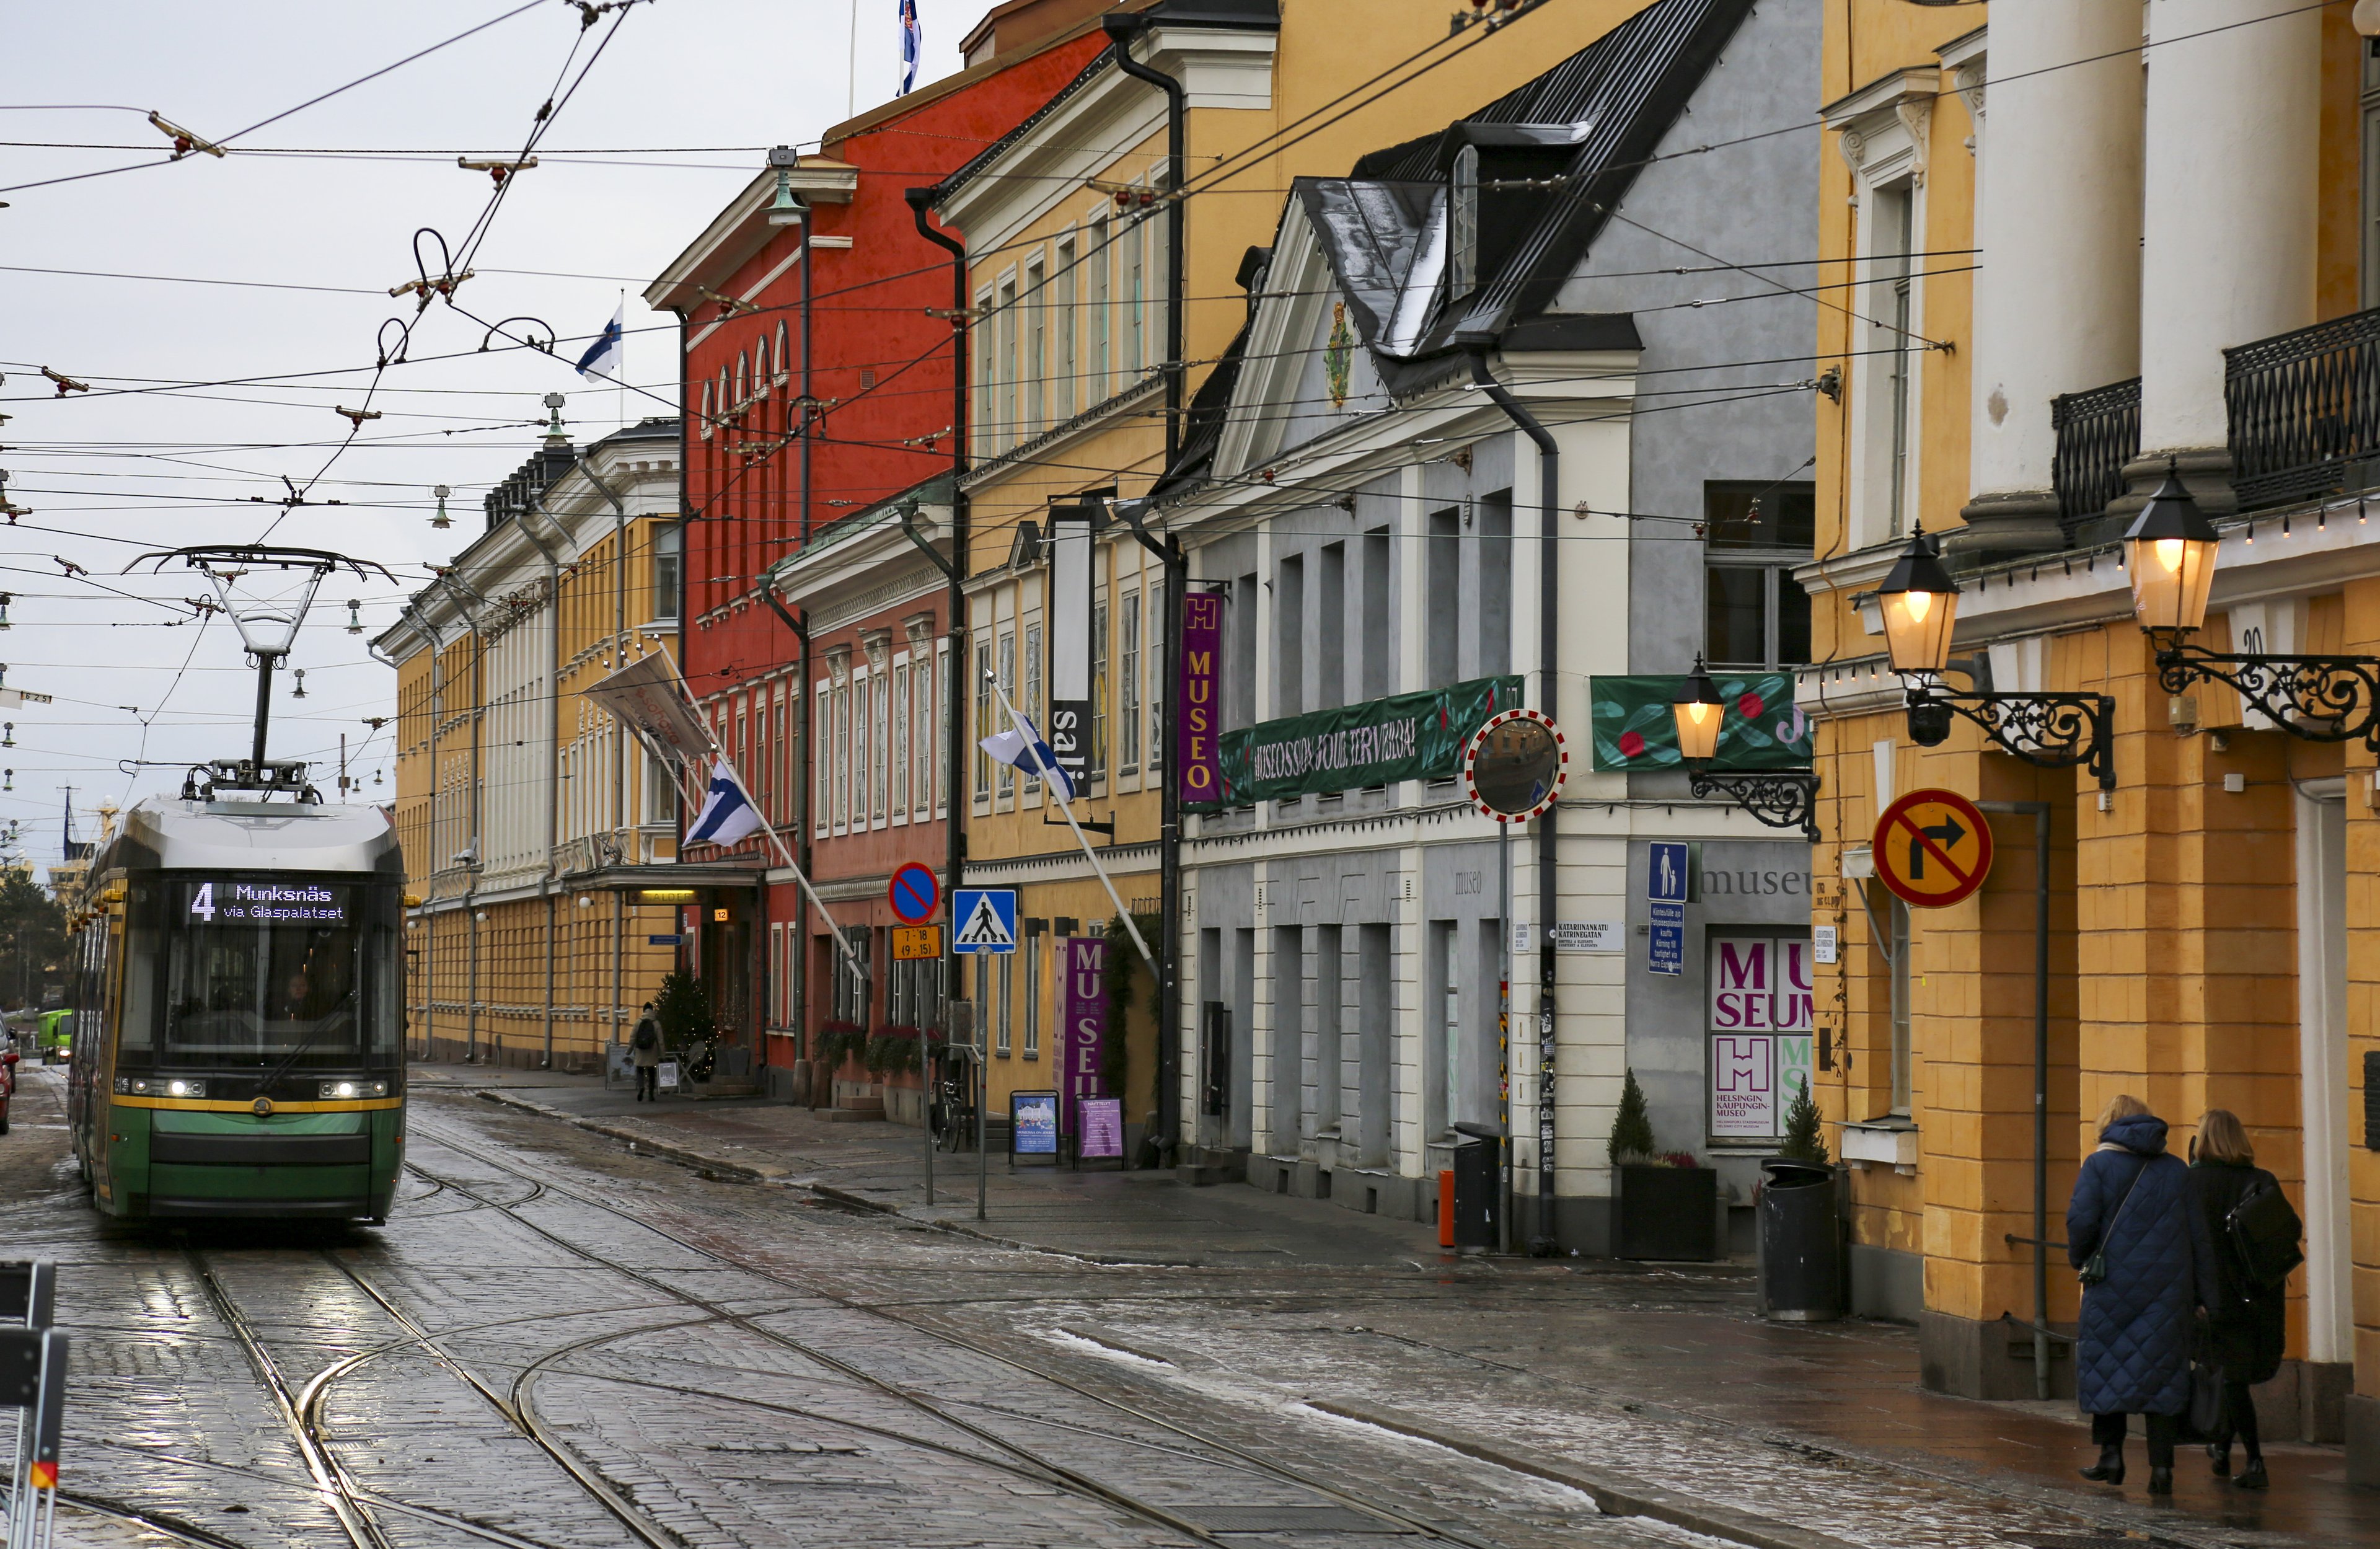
(555, 1342)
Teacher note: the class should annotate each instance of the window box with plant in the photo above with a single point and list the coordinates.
(1667, 1205)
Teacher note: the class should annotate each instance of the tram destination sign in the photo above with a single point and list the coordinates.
(267, 903)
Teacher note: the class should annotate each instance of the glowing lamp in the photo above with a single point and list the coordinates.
(2170, 549)
(1920, 602)
(1699, 711)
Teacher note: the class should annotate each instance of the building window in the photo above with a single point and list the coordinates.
(1000, 1006)
(1035, 324)
(1462, 224)
(1158, 687)
(1135, 295)
(862, 749)
(880, 765)
(942, 724)
(666, 565)
(921, 736)
(1097, 767)
(1032, 955)
(842, 758)
(822, 775)
(1004, 332)
(1128, 684)
(1064, 283)
(1030, 705)
(982, 719)
(1007, 772)
(1754, 613)
(1892, 312)
(901, 740)
(1095, 286)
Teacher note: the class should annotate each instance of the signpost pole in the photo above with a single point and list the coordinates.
(1504, 1040)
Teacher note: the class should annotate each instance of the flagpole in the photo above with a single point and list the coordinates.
(1033, 747)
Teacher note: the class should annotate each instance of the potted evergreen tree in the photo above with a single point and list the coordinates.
(683, 1010)
(1668, 1203)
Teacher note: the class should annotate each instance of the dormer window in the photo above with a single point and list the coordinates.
(1462, 223)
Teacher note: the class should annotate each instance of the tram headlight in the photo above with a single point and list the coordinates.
(151, 1086)
(340, 1092)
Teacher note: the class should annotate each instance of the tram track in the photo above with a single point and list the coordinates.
(1070, 1477)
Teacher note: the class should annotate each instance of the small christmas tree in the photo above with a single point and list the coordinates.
(1804, 1137)
(683, 1008)
(1632, 1128)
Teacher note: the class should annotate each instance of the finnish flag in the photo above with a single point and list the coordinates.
(1022, 747)
(727, 813)
(913, 42)
(603, 357)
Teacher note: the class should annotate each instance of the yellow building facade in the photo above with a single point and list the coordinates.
(2033, 323)
(523, 810)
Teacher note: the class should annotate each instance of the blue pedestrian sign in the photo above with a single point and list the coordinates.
(1666, 872)
(985, 919)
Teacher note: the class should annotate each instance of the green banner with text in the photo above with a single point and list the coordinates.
(1635, 728)
(1407, 737)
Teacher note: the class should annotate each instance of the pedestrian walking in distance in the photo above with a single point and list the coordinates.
(2245, 1309)
(645, 1051)
(2140, 1242)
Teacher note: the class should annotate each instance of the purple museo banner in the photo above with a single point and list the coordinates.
(1201, 774)
(1082, 1034)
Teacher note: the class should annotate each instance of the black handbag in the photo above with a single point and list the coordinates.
(2206, 1419)
(2094, 1268)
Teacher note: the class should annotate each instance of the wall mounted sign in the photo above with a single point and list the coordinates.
(1933, 849)
(1634, 726)
(985, 920)
(1082, 1023)
(1200, 775)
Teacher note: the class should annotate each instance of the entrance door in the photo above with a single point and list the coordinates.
(2321, 1065)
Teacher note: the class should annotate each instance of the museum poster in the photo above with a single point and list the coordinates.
(1760, 1012)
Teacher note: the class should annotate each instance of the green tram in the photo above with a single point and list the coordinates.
(240, 1047)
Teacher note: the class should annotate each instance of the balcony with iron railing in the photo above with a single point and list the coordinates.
(2304, 411)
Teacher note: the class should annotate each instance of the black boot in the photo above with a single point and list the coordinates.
(2109, 1470)
(2219, 1453)
(2160, 1481)
(2253, 1476)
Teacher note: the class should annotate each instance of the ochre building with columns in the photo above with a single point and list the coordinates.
(2139, 259)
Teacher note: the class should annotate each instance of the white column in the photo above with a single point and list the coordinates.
(2057, 299)
(2227, 254)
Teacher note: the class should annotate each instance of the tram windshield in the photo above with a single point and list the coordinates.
(260, 971)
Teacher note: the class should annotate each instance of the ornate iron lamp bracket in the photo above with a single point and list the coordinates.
(1781, 798)
(2048, 730)
(2321, 699)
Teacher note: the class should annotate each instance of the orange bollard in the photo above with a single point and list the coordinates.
(1446, 1208)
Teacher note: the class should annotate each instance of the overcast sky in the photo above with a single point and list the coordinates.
(178, 431)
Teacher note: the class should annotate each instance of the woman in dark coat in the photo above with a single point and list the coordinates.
(2131, 1352)
(2244, 1319)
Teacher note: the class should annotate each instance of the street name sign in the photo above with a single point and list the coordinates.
(1933, 849)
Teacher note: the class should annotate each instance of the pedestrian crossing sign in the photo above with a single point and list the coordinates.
(986, 918)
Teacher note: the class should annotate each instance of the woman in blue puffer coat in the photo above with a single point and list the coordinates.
(2133, 1211)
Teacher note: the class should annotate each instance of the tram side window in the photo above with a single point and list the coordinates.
(134, 1029)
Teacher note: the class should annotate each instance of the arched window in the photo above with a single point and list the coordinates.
(1462, 224)
(784, 361)
(726, 404)
(760, 370)
(743, 378)
(710, 408)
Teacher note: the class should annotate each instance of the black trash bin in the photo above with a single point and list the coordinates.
(1801, 1243)
(1479, 1161)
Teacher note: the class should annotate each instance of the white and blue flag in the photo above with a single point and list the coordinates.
(603, 357)
(727, 813)
(1022, 747)
(913, 43)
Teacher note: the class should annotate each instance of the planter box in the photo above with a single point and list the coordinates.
(1667, 1212)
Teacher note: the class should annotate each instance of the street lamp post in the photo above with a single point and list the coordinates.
(2170, 552)
(1919, 600)
(1779, 798)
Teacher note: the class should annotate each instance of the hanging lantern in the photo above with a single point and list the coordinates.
(1920, 602)
(442, 519)
(2171, 548)
(1699, 711)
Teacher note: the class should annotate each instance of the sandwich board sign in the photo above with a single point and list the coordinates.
(984, 918)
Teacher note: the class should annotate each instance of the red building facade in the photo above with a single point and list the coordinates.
(781, 454)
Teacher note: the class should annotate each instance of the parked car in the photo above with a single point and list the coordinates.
(8, 1086)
